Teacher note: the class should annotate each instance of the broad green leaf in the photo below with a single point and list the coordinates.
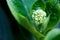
(21, 11)
(54, 34)
(53, 8)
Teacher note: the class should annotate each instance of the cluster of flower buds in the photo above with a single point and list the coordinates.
(39, 16)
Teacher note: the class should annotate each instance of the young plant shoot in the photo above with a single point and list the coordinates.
(39, 17)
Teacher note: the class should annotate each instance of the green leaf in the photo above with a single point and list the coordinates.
(53, 8)
(21, 11)
(53, 35)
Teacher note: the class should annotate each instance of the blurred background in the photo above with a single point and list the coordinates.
(9, 28)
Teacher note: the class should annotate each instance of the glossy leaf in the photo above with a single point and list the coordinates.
(54, 34)
(53, 8)
(21, 11)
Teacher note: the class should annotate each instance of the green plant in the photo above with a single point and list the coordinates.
(37, 16)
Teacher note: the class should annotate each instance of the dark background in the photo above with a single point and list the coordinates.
(9, 28)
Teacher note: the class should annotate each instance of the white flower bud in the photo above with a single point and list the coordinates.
(39, 16)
